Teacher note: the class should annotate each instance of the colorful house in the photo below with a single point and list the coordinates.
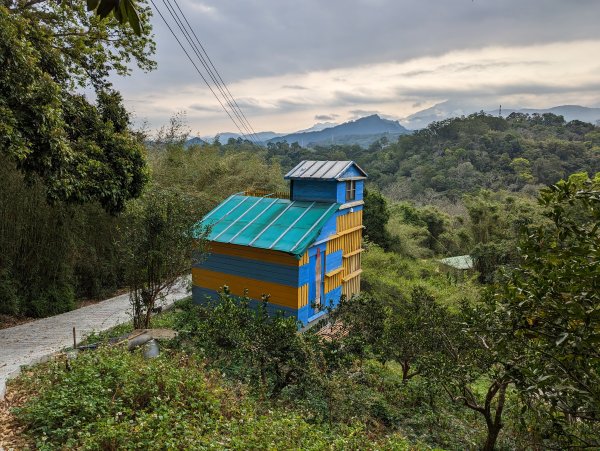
(303, 250)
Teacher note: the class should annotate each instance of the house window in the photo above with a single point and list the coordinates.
(350, 190)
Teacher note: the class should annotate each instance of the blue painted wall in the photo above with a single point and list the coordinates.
(352, 171)
(324, 190)
(334, 261)
(360, 186)
(254, 269)
(332, 298)
(328, 229)
(314, 190)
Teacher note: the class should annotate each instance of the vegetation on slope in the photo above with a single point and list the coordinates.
(461, 155)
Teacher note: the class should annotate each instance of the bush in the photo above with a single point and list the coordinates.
(10, 300)
(250, 344)
(112, 399)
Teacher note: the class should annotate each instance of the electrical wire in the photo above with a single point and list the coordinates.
(190, 41)
(200, 72)
(216, 71)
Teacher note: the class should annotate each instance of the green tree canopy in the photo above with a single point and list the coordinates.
(551, 303)
(81, 151)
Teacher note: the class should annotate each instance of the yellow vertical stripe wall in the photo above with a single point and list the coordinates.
(349, 221)
(351, 287)
(333, 281)
(348, 239)
(304, 259)
(303, 299)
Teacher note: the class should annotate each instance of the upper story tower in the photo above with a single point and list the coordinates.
(327, 181)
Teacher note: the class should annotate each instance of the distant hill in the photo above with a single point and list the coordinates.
(317, 127)
(448, 109)
(569, 112)
(261, 137)
(195, 142)
(362, 131)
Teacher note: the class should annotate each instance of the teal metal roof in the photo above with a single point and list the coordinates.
(268, 223)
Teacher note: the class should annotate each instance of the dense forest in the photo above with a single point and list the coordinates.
(447, 159)
(500, 356)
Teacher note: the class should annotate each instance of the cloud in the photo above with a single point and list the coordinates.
(297, 87)
(198, 107)
(355, 114)
(246, 39)
(537, 75)
(326, 117)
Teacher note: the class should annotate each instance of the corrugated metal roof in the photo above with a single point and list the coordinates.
(267, 223)
(458, 262)
(322, 170)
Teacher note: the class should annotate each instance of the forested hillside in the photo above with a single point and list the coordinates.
(462, 155)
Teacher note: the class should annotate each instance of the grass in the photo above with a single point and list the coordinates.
(390, 274)
(164, 320)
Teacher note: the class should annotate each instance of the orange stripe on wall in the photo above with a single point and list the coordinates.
(254, 253)
(280, 294)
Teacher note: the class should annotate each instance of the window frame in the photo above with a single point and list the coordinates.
(350, 190)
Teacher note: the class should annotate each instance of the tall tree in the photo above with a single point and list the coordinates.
(80, 151)
(376, 216)
(551, 304)
(158, 243)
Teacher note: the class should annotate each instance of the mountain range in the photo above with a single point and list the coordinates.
(369, 129)
(448, 109)
(362, 131)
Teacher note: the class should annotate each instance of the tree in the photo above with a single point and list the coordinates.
(159, 241)
(80, 151)
(413, 330)
(551, 302)
(362, 319)
(376, 216)
(475, 365)
(123, 10)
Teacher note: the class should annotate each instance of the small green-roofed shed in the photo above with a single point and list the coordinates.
(267, 223)
(462, 262)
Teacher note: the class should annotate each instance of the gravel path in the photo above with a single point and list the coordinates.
(36, 341)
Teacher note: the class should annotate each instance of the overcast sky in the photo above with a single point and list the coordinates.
(290, 64)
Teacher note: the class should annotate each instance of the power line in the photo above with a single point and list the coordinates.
(190, 41)
(198, 70)
(215, 69)
(220, 83)
(179, 25)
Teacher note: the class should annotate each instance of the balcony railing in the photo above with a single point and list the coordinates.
(267, 193)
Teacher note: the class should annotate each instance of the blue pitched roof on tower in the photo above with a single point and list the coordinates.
(323, 170)
(267, 223)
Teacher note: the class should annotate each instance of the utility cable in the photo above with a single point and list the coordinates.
(190, 41)
(216, 71)
(196, 67)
